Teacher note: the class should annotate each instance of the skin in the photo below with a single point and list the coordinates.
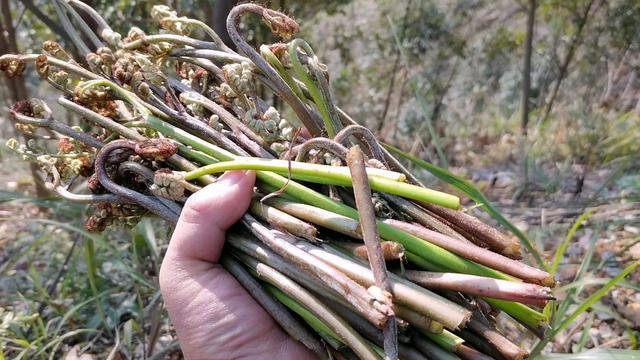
(214, 317)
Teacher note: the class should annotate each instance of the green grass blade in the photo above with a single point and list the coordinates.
(476, 195)
(565, 244)
(596, 354)
(591, 300)
(92, 275)
(589, 280)
(584, 336)
(76, 308)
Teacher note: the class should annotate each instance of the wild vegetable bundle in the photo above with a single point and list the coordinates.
(347, 251)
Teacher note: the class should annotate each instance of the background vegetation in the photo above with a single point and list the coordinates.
(448, 82)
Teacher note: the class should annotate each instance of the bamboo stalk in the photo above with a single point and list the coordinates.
(367, 214)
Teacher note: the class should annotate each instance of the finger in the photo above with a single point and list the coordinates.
(207, 214)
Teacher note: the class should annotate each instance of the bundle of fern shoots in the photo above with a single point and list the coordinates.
(343, 247)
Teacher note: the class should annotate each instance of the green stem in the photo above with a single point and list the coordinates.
(273, 60)
(380, 180)
(440, 259)
(336, 175)
(524, 314)
(174, 39)
(327, 334)
(317, 97)
(446, 340)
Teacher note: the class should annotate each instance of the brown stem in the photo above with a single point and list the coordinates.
(234, 123)
(504, 346)
(318, 216)
(394, 69)
(526, 68)
(56, 186)
(298, 293)
(421, 216)
(425, 302)
(367, 216)
(199, 128)
(203, 63)
(281, 87)
(365, 136)
(50, 123)
(282, 220)
(100, 120)
(258, 250)
(391, 250)
(474, 229)
(148, 202)
(430, 349)
(301, 151)
(391, 161)
(46, 20)
(375, 311)
(477, 254)
(278, 312)
(469, 353)
(482, 286)
(370, 332)
(171, 38)
(107, 123)
(564, 67)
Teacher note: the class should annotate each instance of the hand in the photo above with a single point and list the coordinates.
(214, 317)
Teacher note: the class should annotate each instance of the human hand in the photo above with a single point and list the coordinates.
(214, 317)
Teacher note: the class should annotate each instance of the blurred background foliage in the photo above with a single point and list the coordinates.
(443, 80)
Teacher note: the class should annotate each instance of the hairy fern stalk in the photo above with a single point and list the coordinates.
(344, 247)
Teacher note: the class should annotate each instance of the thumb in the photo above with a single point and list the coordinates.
(207, 214)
